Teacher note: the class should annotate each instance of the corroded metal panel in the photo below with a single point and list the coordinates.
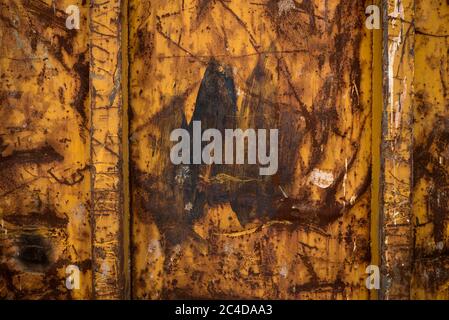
(306, 68)
(61, 177)
(44, 145)
(397, 224)
(415, 151)
(224, 231)
(430, 275)
(106, 153)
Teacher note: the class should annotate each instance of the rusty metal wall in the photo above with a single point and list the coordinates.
(224, 231)
(61, 178)
(430, 206)
(363, 149)
(414, 150)
(44, 163)
(397, 163)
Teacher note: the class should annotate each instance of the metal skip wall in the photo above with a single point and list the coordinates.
(362, 177)
(217, 231)
(61, 163)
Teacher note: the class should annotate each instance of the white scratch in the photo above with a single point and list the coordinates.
(283, 192)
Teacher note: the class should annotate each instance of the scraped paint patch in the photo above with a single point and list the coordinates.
(286, 6)
(155, 249)
(322, 179)
(284, 271)
(105, 269)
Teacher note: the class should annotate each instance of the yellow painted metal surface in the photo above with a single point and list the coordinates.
(106, 153)
(305, 69)
(44, 144)
(430, 276)
(61, 160)
(415, 149)
(360, 181)
(397, 224)
(376, 142)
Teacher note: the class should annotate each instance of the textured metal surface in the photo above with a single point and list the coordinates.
(61, 184)
(430, 276)
(106, 149)
(415, 150)
(308, 68)
(44, 144)
(223, 231)
(397, 224)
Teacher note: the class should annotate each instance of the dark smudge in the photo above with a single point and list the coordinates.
(42, 155)
(34, 252)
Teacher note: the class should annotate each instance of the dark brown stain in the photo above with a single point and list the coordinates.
(203, 7)
(51, 16)
(42, 155)
(81, 67)
(432, 269)
(4, 95)
(46, 218)
(7, 275)
(75, 178)
(61, 95)
(426, 157)
(34, 252)
(145, 43)
(216, 108)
